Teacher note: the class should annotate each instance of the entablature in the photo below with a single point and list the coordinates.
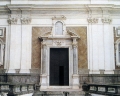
(90, 8)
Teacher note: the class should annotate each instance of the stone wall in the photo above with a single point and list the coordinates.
(36, 45)
(20, 78)
(82, 46)
(88, 78)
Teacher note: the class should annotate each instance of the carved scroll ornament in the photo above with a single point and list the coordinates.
(12, 20)
(106, 20)
(92, 20)
(26, 20)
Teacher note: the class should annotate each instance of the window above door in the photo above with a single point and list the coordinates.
(59, 27)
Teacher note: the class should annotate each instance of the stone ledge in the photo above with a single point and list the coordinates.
(83, 71)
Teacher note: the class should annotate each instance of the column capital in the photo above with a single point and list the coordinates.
(12, 20)
(26, 20)
(106, 20)
(92, 20)
(43, 44)
(74, 45)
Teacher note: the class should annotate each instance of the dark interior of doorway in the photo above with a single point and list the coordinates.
(59, 67)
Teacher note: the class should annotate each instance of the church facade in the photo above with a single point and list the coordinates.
(60, 44)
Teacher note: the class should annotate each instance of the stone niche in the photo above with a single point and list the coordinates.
(59, 36)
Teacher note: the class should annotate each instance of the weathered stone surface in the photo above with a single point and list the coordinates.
(3, 78)
(83, 71)
(4, 41)
(82, 45)
(23, 78)
(36, 45)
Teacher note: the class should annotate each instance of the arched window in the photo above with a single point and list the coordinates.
(59, 28)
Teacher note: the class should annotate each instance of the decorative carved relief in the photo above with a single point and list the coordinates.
(26, 20)
(75, 45)
(46, 34)
(43, 44)
(59, 17)
(92, 20)
(72, 33)
(12, 20)
(58, 42)
(106, 20)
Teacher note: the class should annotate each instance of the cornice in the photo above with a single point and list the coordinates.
(19, 6)
(62, 6)
(79, 7)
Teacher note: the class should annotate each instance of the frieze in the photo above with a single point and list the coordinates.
(12, 20)
(106, 20)
(58, 42)
(92, 20)
(59, 17)
(26, 20)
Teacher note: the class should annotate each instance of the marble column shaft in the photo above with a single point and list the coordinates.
(75, 59)
(44, 59)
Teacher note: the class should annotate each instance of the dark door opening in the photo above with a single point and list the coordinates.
(59, 67)
(61, 75)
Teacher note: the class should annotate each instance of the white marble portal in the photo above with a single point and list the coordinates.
(67, 40)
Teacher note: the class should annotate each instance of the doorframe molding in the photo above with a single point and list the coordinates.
(70, 66)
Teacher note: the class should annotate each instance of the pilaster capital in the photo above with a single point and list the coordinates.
(43, 44)
(26, 20)
(92, 20)
(12, 20)
(106, 20)
(74, 45)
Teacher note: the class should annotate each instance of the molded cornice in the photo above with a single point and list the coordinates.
(80, 7)
(63, 7)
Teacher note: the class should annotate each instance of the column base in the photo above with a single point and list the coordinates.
(75, 81)
(94, 72)
(24, 71)
(43, 81)
(10, 71)
(108, 72)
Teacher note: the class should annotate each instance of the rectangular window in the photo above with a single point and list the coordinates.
(59, 28)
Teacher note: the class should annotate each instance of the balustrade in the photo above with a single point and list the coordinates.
(110, 90)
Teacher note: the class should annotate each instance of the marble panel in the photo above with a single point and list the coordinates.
(82, 45)
(36, 45)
